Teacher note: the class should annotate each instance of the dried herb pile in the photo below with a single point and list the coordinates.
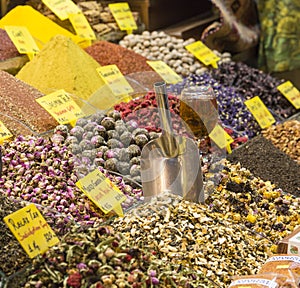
(269, 163)
(189, 234)
(18, 101)
(62, 64)
(100, 258)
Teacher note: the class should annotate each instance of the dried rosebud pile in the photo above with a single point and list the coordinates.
(259, 205)
(101, 258)
(251, 82)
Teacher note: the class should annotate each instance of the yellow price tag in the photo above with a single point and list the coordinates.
(82, 26)
(61, 106)
(22, 39)
(260, 112)
(31, 230)
(123, 16)
(221, 137)
(113, 77)
(102, 192)
(291, 93)
(169, 75)
(62, 8)
(203, 53)
(4, 133)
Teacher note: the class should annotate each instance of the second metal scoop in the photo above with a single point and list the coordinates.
(171, 162)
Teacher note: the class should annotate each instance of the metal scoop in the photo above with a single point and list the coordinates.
(171, 162)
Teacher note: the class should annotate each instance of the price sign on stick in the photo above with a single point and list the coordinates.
(291, 93)
(4, 133)
(63, 8)
(102, 192)
(31, 230)
(203, 53)
(123, 16)
(61, 106)
(82, 26)
(165, 72)
(260, 112)
(221, 137)
(23, 40)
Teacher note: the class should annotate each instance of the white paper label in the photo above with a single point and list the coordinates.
(264, 282)
(284, 258)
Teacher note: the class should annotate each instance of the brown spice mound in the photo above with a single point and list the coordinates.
(7, 48)
(18, 101)
(128, 62)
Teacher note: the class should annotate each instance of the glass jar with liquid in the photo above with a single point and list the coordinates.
(199, 109)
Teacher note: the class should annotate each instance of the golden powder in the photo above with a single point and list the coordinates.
(62, 64)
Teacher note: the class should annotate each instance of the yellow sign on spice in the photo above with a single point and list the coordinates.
(291, 93)
(260, 112)
(123, 16)
(220, 137)
(62, 8)
(203, 53)
(4, 133)
(61, 106)
(113, 77)
(22, 39)
(102, 192)
(169, 75)
(31, 230)
(82, 26)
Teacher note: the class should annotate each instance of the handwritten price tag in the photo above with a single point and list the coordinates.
(4, 133)
(203, 53)
(22, 39)
(61, 106)
(102, 192)
(62, 8)
(220, 137)
(123, 16)
(113, 77)
(169, 75)
(260, 112)
(291, 93)
(31, 230)
(82, 26)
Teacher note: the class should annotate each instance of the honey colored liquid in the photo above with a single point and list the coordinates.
(200, 114)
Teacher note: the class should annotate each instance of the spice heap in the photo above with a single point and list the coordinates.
(251, 82)
(269, 163)
(18, 100)
(7, 48)
(13, 257)
(40, 171)
(62, 64)
(286, 137)
(107, 141)
(102, 258)
(188, 234)
(160, 46)
(259, 205)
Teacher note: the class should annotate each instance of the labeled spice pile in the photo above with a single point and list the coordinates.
(257, 204)
(103, 258)
(251, 82)
(18, 100)
(186, 233)
(269, 163)
(61, 64)
(160, 46)
(13, 257)
(107, 141)
(7, 48)
(286, 137)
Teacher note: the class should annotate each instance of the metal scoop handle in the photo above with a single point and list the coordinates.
(169, 144)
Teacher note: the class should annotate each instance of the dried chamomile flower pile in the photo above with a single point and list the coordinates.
(188, 234)
(102, 258)
(258, 204)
